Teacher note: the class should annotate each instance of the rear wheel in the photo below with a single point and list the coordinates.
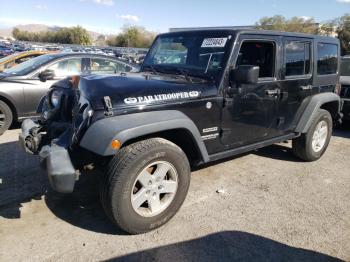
(146, 184)
(6, 117)
(312, 145)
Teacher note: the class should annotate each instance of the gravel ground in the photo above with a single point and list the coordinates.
(271, 207)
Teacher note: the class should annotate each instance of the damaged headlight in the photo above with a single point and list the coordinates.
(55, 98)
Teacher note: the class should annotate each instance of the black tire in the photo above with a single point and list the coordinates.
(302, 146)
(6, 117)
(122, 174)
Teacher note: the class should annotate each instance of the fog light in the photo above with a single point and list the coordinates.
(116, 144)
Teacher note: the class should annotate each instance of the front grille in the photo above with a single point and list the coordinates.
(345, 91)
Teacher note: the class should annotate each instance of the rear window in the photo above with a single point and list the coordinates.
(297, 58)
(327, 59)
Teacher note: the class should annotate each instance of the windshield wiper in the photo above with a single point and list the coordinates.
(188, 74)
(153, 69)
(185, 73)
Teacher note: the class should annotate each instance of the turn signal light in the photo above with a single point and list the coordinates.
(116, 144)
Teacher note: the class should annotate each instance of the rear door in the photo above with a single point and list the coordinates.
(297, 79)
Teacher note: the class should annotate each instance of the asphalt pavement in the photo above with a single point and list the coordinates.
(263, 206)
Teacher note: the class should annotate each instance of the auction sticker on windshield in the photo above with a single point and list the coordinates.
(214, 42)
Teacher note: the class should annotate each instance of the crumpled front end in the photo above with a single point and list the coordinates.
(54, 135)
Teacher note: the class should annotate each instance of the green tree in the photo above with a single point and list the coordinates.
(294, 24)
(15, 32)
(132, 36)
(74, 35)
(344, 33)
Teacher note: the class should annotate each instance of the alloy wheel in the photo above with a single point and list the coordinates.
(154, 189)
(319, 137)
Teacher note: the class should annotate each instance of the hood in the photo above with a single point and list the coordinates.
(137, 89)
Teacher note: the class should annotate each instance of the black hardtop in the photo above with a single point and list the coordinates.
(252, 31)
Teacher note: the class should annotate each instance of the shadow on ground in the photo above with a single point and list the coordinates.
(227, 246)
(342, 130)
(22, 180)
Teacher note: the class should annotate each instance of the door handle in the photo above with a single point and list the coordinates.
(273, 92)
(307, 87)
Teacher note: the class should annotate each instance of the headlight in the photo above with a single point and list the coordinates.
(55, 98)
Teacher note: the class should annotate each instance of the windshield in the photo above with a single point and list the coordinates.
(9, 57)
(202, 54)
(28, 66)
(345, 67)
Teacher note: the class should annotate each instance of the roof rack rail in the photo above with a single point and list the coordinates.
(212, 28)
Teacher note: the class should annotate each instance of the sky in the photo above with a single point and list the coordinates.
(109, 16)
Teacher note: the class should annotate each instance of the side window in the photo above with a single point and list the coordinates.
(297, 58)
(103, 66)
(258, 53)
(67, 67)
(327, 59)
(23, 59)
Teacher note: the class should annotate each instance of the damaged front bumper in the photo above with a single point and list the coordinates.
(54, 158)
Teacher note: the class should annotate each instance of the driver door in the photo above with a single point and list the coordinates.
(250, 112)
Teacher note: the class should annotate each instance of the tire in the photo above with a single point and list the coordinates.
(129, 175)
(303, 146)
(6, 117)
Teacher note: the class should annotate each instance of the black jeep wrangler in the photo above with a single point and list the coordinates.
(201, 95)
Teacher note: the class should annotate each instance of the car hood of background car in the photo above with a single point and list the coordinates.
(142, 89)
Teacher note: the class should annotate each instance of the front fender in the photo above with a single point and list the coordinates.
(99, 136)
(313, 106)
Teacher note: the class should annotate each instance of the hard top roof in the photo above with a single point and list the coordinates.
(251, 30)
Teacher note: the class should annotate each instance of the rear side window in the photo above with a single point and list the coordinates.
(327, 59)
(297, 58)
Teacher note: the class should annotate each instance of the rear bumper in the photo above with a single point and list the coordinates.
(54, 158)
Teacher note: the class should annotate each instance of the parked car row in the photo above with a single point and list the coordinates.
(132, 55)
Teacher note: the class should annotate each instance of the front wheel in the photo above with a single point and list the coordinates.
(6, 117)
(312, 145)
(145, 185)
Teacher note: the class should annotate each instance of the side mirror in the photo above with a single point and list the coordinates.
(47, 74)
(245, 74)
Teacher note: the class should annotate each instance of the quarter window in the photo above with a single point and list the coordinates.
(297, 58)
(327, 59)
(258, 53)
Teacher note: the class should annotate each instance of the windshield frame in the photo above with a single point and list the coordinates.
(231, 35)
